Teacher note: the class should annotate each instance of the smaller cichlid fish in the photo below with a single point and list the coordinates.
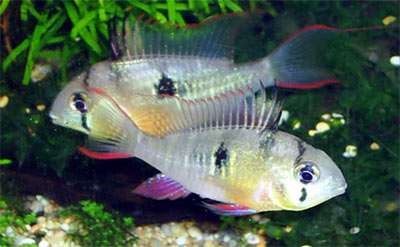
(194, 63)
(240, 159)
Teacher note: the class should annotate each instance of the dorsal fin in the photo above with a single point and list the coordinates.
(139, 39)
(164, 115)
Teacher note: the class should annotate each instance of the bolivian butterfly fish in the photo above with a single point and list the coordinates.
(194, 63)
(241, 160)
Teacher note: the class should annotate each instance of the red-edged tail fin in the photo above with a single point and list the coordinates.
(297, 63)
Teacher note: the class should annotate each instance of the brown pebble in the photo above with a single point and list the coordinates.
(261, 244)
(35, 228)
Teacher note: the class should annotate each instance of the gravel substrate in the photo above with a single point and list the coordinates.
(51, 230)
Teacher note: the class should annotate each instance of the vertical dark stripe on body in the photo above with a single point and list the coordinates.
(85, 80)
(165, 86)
(301, 148)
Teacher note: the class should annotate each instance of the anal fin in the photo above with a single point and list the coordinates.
(161, 187)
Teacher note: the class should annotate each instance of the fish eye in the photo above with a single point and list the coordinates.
(306, 172)
(79, 102)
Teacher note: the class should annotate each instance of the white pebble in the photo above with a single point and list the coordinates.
(43, 200)
(27, 227)
(65, 227)
(177, 229)
(232, 243)
(351, 151)
(227, 239)
(10, 231)
(251, 238)
(256, 218)
(181, 241)
(284, 117)
(322, 127)
(354, 230)
(166, 229)
(195, 232)
(36, 206)
(337, 115)
(26, 241)
(44, 243)
(395, 60)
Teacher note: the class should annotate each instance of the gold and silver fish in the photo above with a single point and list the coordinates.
(194, 63)
(241, 160)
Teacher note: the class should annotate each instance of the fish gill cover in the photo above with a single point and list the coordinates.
(363, 112)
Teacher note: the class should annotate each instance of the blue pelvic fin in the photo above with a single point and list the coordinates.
(229, 209)
(161, 187)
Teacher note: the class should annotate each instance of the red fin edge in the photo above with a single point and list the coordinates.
(306, 85)
(228, 209)
(106, 156)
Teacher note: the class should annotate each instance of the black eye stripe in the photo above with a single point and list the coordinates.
(303, 195)
(84, 122)
(77, 96)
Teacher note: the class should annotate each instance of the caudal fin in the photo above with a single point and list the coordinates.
(297, 63)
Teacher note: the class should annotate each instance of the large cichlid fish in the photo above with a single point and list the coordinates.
(194, 63)
(240, 159)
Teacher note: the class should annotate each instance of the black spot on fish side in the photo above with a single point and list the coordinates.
(221, 156)
(165, 86)
(303, 195)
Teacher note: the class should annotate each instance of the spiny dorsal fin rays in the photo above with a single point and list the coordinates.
(237, 109)
(211, 39)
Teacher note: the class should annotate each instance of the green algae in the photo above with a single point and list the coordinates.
(99, 227)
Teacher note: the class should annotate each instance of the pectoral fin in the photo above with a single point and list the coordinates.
(161, 187)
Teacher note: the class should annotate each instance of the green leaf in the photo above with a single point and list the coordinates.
(102, 11)
(206, 6)
(178, 6)
(158, 15)
(191, 4)
(180, 19)
(56, 39)
(171, 11)
(83, 23)
(24, 9)
(15, 53)
(37, 33)
(71, 11)
(222, 6)
(50, 54)
(233, 6)
(84, 33)
(5, 161)
(3, 6)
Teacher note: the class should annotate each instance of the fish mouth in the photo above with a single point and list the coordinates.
(341, 190)
(55, 119)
